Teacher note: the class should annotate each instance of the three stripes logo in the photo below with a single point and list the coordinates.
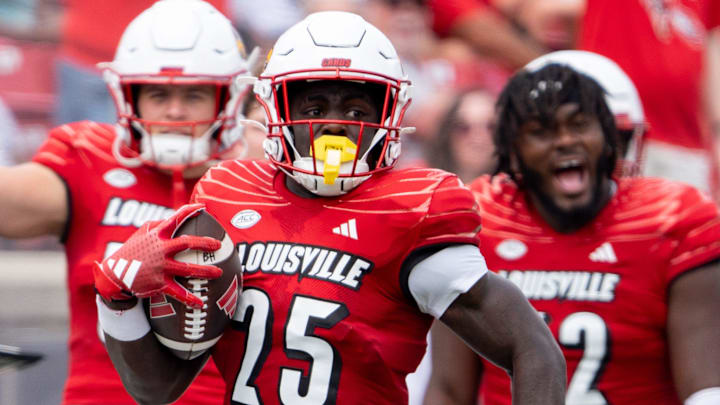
(119, 269)
(604, 253)
(347, 229)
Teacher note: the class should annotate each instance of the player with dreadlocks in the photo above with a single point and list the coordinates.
(624, 270)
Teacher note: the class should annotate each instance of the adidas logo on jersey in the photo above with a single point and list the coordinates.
(347, 229)
(604, 254)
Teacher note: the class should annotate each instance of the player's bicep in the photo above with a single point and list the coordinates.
(35, 201)
(693, 329)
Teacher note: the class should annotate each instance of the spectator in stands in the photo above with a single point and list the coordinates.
(660, 44)
(487, 30)
(261, 22)
(463, 143)
(31, 20)
(438, 67)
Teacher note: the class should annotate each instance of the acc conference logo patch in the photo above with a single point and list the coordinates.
(120, 178)
(511, 249)
(245, 219)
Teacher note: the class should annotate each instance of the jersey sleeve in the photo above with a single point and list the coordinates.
(71, 150)
(205, 185)
(696, 235)
(57, 153)
(436, 281)
(452, 216)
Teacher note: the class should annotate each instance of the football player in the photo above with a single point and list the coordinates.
(178, 79)
(346, 261)
(624, 270)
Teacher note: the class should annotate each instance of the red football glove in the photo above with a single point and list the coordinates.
(144, 264)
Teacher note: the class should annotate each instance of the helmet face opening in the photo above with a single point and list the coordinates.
(301, 134)
(158, 136)
(178, 43)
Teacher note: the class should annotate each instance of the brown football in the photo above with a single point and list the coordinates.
(186, 331)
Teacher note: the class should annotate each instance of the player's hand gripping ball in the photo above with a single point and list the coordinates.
(187, 331)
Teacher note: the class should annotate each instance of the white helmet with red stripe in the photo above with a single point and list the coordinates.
(621, 95)
(333, 46)
(178, 42)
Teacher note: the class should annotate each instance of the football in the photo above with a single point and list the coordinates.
(188, 332)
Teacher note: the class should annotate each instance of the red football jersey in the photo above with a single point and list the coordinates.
(326, 316)
(108, 203)
(602, 290)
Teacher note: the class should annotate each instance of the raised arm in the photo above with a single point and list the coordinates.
(693, 329)
(34, 201)
(496, 320)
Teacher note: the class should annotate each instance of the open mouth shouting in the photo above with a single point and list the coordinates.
(571, 177)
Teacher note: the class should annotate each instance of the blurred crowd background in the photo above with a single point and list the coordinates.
(458, 54)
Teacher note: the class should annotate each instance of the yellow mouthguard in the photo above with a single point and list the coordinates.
(333, 151)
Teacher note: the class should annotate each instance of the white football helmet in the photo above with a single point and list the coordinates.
(621, 95)
(333, 45)
(178, 42)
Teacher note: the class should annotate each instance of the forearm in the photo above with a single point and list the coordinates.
(539, 375)
(496, 320)
(505, 44)
(149, 372)
(34, 201)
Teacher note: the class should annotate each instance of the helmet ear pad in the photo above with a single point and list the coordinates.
(132, 93)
